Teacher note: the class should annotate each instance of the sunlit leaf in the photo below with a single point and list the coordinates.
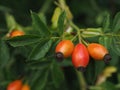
(55, 17)
(108, 71)
(92, 32)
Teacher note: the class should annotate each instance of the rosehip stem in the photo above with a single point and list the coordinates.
(81, 80)
(79, 36)
(55, 37)
(85, 42)
(78, 30)
(74, 37)
(95, 88)
(109, 34)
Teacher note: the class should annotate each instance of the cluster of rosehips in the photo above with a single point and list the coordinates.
(17, 85)
(81, 54)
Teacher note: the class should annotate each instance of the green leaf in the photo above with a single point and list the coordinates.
(92, 32)
(4, 54)
(10, 20)
(42, 81)
(66, 63)
(96, 67)
(106, 22)
(118, 76)
(90, 78)
(99, 66)
(52, 49)
(105, 41)
(5, 9)
(38, 65)
(39, 79)
(115, 45)
(11, 23)
(55, 17)
(115, 59)
(42, 17)
(39, 25)
(40, 50)
(108, 86)
(24, 40)
(57, 75)
(116, 23)
(61, 21)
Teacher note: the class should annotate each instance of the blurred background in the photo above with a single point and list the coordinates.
(86, 13)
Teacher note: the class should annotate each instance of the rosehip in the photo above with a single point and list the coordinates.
(15, 85)
(16, 33)
(99, 52)
(64, 49)
(80, 57)
(25, 87)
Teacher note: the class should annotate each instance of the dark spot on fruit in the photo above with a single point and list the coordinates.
(82, 69)
(59, 56)
(107, 58)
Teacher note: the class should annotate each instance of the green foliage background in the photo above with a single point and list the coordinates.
(31, 57)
